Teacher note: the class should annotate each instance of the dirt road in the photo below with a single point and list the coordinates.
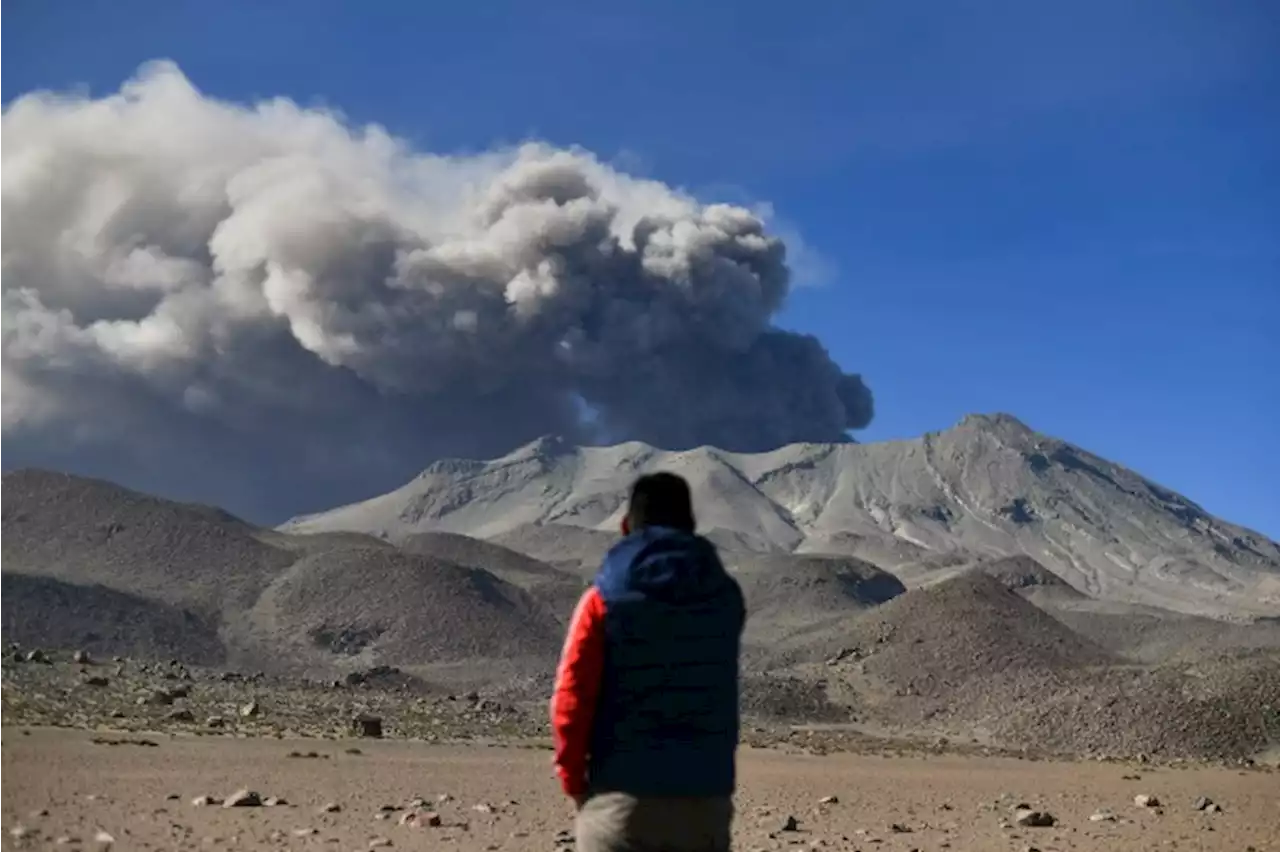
(60, 785)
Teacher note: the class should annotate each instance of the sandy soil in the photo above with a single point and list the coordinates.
(60, 784)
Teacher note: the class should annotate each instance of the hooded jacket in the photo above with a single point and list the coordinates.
(646, 696)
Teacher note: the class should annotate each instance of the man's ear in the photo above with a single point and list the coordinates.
(626, 525)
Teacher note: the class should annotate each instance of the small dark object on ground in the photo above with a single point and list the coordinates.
(366, 725)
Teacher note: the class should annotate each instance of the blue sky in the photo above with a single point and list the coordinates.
(1065, 211)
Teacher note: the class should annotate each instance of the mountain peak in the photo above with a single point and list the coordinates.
(989, 486)
(997, 420)
(546, 446)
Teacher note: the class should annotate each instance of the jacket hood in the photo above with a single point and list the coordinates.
(668, 564)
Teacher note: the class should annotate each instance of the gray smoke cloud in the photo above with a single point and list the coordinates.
(267, 308)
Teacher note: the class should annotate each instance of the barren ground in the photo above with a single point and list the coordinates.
(60, 784)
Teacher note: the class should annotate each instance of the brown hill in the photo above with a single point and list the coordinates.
(575, 549)
(86, 531)
(786, 594)
(559, 589)
(930, 639)
(960, 652)
(147, 577)
(503, 562)
(42, 612)
(971, 657)
(1023, 574)
(357, 606)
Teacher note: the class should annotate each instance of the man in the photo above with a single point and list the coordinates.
(645, 711)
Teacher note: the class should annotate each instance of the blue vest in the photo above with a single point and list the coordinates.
(666, 721)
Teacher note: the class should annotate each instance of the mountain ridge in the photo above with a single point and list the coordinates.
(989, 487)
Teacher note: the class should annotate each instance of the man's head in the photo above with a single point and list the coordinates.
(659, 500)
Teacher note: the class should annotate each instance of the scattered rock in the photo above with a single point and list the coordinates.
(1102, 816)
(243, 799)
(1145, 800)
(274, 802)
(180, 715)
(156, 698)
(102, 838)
(330, 808)
(35, 655)
(1034, 819)
(205, 801)
(353, 751)
(250, 710)
(829, 800)
(1202, 803)
(483, 808)
(82, 657)
(67, 840)
(19, 832)
(215, 722)
(96, 680)
(899, 828)
(790, 824)
(304, 832)
(379, 842)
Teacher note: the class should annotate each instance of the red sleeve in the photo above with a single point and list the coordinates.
(573, 704)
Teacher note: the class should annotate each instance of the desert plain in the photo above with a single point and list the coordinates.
(74, 789)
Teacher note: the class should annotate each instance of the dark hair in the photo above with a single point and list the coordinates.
(661, 500)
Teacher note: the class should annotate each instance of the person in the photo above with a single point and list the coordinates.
(645, 709)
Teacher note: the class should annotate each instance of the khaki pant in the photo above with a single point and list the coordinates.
(618, 822)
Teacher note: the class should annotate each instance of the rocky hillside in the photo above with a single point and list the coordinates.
(42, 612)
(971, 657)
(90, 565)
(790, 594)
(974, 647)
(988, 488)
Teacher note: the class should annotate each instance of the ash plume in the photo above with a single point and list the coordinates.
(265, 307)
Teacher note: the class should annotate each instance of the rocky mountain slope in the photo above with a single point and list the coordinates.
(910, 636)
(987, 488)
